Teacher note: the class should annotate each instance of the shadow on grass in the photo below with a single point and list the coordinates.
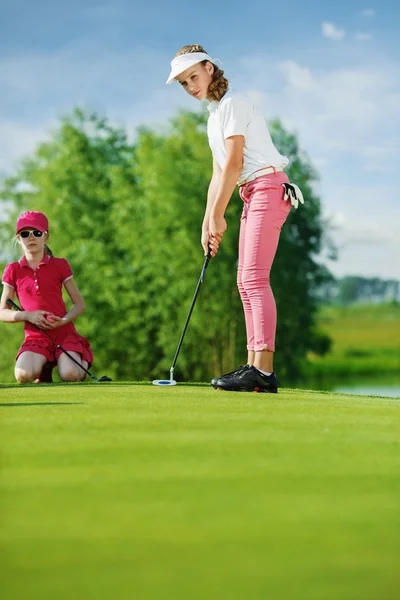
(4, 386)
(7, 404)
(22, 386)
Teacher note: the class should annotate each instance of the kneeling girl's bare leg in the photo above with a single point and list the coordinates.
(68, 370)
(29, 366)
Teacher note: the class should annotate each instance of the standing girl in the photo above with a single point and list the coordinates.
(37, 279)
(243, 154)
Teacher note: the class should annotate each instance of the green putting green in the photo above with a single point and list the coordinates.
(126, 491)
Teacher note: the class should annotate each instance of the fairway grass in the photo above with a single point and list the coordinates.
(123, 491)
(366, 341)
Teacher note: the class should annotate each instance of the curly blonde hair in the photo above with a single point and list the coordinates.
(219, 84)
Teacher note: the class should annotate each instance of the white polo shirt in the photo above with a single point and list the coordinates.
(235, 114)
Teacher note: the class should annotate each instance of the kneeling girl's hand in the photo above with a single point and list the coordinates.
(38, 318)
(55, 321)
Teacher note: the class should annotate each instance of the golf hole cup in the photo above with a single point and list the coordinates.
(164, 382)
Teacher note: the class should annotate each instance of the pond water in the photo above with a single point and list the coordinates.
(370, 390)
(388, 386)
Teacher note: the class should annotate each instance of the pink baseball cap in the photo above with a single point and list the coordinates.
(34, 219)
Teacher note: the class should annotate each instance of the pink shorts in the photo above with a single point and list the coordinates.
(70, 341)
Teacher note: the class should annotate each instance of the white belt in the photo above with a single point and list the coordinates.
(264, 171)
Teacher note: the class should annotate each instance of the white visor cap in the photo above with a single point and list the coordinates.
(184, 61)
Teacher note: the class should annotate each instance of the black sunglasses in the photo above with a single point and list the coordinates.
(26, 234)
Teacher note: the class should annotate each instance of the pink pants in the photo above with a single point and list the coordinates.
(264, 213)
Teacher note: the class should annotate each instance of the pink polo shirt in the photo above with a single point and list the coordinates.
(40, 288)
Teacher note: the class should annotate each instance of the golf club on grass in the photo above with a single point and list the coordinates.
(171, 381)
(97, 379)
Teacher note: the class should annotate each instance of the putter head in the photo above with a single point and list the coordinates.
(164, 382)
(104, 378)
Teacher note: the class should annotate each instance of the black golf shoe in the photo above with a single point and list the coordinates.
(229, 375)
(249, 380)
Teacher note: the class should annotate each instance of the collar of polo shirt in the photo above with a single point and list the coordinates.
(45, 261)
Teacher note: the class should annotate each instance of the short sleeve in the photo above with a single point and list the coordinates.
(64, 270)
(9, 275)
(236, 117)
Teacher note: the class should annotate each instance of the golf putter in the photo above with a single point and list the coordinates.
(171, 380)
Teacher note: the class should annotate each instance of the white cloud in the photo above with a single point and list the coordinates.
(298, 77)
(329, 30)
(54, 83)
(362, 231)
(363, 37)
(345, 110)
(368, 244)
(346, 119)
(18, 140)
(320, 161)
(340, 95)
(368, 12)
(365, 260)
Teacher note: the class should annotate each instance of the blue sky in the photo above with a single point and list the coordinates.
(328, 70)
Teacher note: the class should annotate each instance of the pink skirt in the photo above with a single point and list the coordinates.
(71, 341)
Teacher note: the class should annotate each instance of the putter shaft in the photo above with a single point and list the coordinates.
(196, 293)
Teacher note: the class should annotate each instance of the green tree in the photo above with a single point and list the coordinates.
(348, 290)
(172, 173)
(79, 179)
(10, 340)
(128, 218)
(297, 275)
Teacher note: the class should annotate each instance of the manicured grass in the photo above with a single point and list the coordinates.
(366, 339)
(122, 491)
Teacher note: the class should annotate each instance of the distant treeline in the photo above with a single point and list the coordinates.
(354, 289)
